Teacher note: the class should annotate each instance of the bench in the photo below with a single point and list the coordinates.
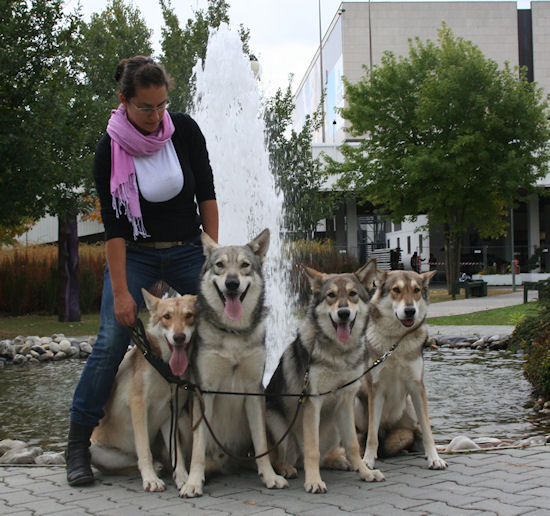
(476, 288)
(531, 285)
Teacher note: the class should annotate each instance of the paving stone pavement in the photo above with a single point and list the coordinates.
(499, 482)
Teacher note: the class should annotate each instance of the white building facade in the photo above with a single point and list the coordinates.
(359, 35)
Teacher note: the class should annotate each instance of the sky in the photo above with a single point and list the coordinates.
(284, 34)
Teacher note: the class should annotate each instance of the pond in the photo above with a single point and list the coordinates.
(473, 393)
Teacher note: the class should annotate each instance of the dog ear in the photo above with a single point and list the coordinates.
(150, 300)
(207, 243)
(367, 273)
(426, 277)
(380, 278)
(260, 244)
(315, 278)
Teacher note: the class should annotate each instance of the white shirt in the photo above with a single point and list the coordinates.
(159, 176)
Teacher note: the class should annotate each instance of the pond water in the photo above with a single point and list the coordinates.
(473, 393)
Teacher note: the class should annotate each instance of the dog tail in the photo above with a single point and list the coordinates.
(396, 441)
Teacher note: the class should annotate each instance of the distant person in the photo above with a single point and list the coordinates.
(414, 262)
(151, 169)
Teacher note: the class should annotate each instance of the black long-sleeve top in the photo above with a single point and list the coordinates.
(168, 221)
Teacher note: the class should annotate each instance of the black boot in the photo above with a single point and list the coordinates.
(79, 471)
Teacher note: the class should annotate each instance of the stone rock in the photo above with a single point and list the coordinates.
(471, 340)
(54, 347)
(444, 342)
(24, 349)
(461, 442)
(536, 440)
(85, 348)
(33, 360)
(58, 337)
(498, 345)
(60, 356)
(10, 444)
(34, 354)
(7, 349)
(22, 455)
(480, 343)
(19, 359)
(494, 338)
(48, 355)
(64, 345)
(45, 340)
(50, 458)
(92, 340)
(72, 351)
(38, 348)
(19, 340)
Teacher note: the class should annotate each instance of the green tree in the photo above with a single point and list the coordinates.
(297, 174)
(448, 134)
(37, 91)
(183, 47)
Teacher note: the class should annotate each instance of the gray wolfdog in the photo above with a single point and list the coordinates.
(393, 394)
(330, 345)
(230, 356)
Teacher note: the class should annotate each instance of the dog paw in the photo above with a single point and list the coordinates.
(371, 475)
(191, 490)
(180, 478)
(286, 470)
(337, 460)
(369, 460)
(315, 487)
(437, 463)
(275, 482)
(153, 484)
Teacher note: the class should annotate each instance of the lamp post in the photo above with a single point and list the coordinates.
(321, 75)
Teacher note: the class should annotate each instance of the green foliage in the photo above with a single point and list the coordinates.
(533, 336)
(297, 173)
(183, 47)
(40, 144)
(448, 134)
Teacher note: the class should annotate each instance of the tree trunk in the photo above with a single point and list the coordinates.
(68, 295)
(452, 259)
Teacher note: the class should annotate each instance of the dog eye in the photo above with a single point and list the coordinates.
(188, 315)
(167, 316)
(219, 264)
(332, 295)
(352, 293)
(416, 290)
(396, 290)
(244, 265)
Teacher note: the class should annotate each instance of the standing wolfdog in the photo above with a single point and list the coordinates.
(230, 356)
(393, 394)
(330, 348)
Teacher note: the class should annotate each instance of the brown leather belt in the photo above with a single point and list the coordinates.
(160, 245)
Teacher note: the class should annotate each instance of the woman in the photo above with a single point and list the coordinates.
(149, 168)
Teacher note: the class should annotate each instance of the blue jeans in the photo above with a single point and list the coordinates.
(179, 266)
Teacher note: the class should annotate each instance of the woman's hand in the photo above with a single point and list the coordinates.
(125, 309)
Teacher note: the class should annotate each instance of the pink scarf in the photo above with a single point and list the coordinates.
(127, 141)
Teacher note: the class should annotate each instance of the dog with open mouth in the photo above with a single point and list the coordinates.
(327, 354)
(139, 405)
(230, 356)
(391, 405)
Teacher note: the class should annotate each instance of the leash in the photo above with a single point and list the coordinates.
(140, 338)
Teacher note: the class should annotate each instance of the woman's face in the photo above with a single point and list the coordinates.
(146, 108)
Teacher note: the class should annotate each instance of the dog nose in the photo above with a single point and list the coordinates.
(179, 339)
(409, 312)
(232, 284)
(343, 314)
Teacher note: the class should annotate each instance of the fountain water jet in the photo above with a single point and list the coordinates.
(228, 110)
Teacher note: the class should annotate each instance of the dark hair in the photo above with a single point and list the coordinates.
(142, 72)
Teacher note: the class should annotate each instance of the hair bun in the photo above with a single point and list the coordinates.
(120, 69)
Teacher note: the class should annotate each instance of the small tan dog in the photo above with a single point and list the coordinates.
(393, 394)
(139, 406)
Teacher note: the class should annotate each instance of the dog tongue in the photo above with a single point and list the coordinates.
(233, 308)
(178, 361)
(343, 331)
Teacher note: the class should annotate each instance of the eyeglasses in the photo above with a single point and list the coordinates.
(149, 110)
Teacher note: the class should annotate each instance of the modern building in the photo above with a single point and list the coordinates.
(358, 36)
